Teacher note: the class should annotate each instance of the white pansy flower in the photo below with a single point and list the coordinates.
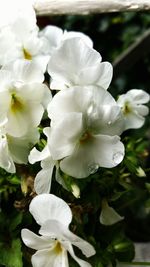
(75, 63)
(42, 182)
(21, 41)
(22, 97)
(86, 122)
(133, 108)
(108, 215)
(54, 36)
(55, 240)
(14, 149)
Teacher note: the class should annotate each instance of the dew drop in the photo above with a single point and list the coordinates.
(93, 168)
(117, 157)
(90, 109)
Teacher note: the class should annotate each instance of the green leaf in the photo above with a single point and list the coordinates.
(16, 221)
(11, 256)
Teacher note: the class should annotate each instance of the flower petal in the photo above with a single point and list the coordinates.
(50, 257)
(138, 96)
(82, 263)
(100, 75)
(69, 59)
(133, 121)
(20, 147)
(49, 207)
(42, 182)
(34, 241)
(108, 215)
(25, 71)
(70, 128)
(36, 155)
(99, 151)
(60, 231)
(6, 161)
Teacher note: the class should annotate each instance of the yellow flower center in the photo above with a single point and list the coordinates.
(16, 104)
(86, 136)
(126, 108)
(26, 54)
(58, 248)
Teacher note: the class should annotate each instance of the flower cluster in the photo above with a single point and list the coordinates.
(84, 123)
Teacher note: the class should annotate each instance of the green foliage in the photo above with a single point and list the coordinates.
(11, 256)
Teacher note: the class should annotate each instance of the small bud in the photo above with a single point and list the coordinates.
(140, 172)
(75, 190)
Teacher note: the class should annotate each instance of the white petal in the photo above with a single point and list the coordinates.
(73, 56)
(100, 75)
(84, 37)
(101, 112)
(138, 96)
(26, 72)
(99, 151)
(41, 61)
(108, 215)
(36, 155)
(141, 110)
(42, 182)
(6, 161)
(20, 147)
(64, 135)
(76, 99)
(4, 104)
(49, 207)
(62, 233)
(53, 36)
(34, 241)
(82, 263)
(50, 258)
(133, 121)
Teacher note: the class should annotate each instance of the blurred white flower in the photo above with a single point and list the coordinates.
(22, 97)
(54, 36)
(108, 215)
(20, 40)
(133, 109)
(86, 122)
(14, 149)
(54, 216)
(75, 63)
(42, 182)
(10, 11)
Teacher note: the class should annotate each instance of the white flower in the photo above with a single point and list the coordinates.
(10, 11)
(42, 182)
(21, 41)
(86, 122)
(15, 149)
(133, 109)
(22, 97)
(54, 36)
(108, 215)
(75, 63)
(54, 216)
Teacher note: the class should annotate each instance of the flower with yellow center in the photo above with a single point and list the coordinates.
(23, 97)
(133, 108)
(85, 126)
(55, 240)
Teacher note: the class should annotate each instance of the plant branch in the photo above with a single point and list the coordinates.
(84, 7)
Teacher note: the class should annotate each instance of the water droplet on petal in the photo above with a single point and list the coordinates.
(93, 168)
(90, 109)
(117, 157)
